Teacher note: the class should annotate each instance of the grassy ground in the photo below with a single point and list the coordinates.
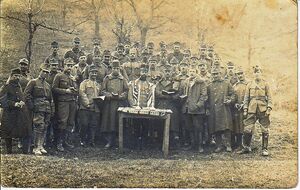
(96, 167)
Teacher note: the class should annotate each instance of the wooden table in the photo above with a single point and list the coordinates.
(128, 112)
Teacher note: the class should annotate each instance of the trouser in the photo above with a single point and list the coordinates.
(26, 141)
(223, 138)
(40, 122)
(65, 119)
(195, 128)
(88, 123)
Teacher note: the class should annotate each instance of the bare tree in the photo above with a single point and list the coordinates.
(32, 9)
(153, 20)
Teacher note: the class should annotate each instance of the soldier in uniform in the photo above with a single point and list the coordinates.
(220, 97)
(154, 74)
(75, 52)
(65, 92)
(230, 74)
(194, 95)
(144, 56)
(203, 72)
(96, 50)
(127, 46)
(78, 70)
(106, 58)
(120, 53)
(163, 51)
(25, 75)
(167, 97)
(187, 54)
(15, 121)
(194, 63)
(238, 126)
(132, 67)
(54, 55)
(150, 47)
(257, 107)
(176, 53)
(115, 90)
(88, 108)
(103, 69)
(38, 97)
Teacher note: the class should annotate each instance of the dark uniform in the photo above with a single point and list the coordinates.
(115, 90)
(132, 67)
(257, 107)
(25, 75)
(90, 57)
(177, 54)
(54, 55)
(15, 121)
(64, 89)
(220, 97)
(75, 52)
(38, 97)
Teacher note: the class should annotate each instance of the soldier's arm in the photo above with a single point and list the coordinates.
(124, 95)
(246, 97)
(82, 95)
(28, 94)
(268, 97)
(55, 86)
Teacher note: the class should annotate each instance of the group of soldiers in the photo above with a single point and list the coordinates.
(211, 102)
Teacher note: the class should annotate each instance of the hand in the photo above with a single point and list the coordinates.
(268, 111)
(17, 104)
(68, 91)
(245, 113)
(228, 101)
(237, 106)
(22, 103)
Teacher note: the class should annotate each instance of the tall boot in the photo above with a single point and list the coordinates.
(200, 147)
(37, 141)
(42, 142)
(92, 137)
(228, 138)
(247, 138)
(60, 138)
(218, 138)
(8, 144)
(26, 145)
(67, 140)
(265, 139)
(239, 140)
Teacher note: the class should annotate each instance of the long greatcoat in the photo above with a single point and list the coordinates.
(117, 85)
(15, 122)
(220, 117)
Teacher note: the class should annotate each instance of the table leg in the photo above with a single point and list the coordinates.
(165, 147)
(121, 136)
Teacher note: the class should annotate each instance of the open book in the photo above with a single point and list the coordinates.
(164, 92)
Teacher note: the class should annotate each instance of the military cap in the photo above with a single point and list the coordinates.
(76, 39)
(153, 58)
(24, 60)
(215, 70)
(115, 55)
(174, 60)
(15, 71)
(96, 42)
(167, 67)
(183, 63)
(177, 43)
(44, 69)
(119, 45)
(239, 70)
(54, 44)
(150, 44)
(230, 63)
(53, 61)
(187, 51)
(93, 68)
(162, 44)
(194, 56)
(106, 52)
(115, 63)
(256, 69)
(69, 61)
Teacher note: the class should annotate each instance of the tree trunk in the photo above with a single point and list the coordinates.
(28, 49)
(249, 50)
(64, 14)
(97, 27)
(144, 32)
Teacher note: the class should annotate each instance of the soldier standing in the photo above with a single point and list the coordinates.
(65, 92)
(96, 50)
(25, 75)
(230, 74)
(132, 67)
(167, 97)
(220, 96)
(15, 121)
(75, 52)
(54, 55)
(257, 107)
(120, 53)
(194, 96)
(38, 97)
(78, 70)
(127, 46)
(238, 125)
(88, 109)
(115, 89)
(102, 68)
(176, 53)
(150, 47)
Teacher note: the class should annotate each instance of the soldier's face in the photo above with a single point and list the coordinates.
(23, 67)
(106, 58)
(54, 49)
(150, 50)
(216, 76)
(120, 50)
(43, 74)
(192, 72)
(15, 77)
(68, 67)
(258, 74)
(127, 46)
(143, 73)
(82, 60)
(194, 61)
(184, 69)
(132, 55)
(230, 69)
(115, 70)
(241, 76)
(176, 48)
(93, 75)
(54, 67)
(97, 59)
(202, 67)
(167, 73)
(76, 44)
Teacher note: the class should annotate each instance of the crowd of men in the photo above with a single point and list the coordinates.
(211, 101)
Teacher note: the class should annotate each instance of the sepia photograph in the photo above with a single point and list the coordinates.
(149, 94)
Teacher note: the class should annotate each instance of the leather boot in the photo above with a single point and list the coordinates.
(67, 140)
(247, 137)
(239, 141)
(265, 139)
(41, 143)
(200, 137)
(92, 137)
(8, 144)
(37, 141)
(26, 145)
(60, 135)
